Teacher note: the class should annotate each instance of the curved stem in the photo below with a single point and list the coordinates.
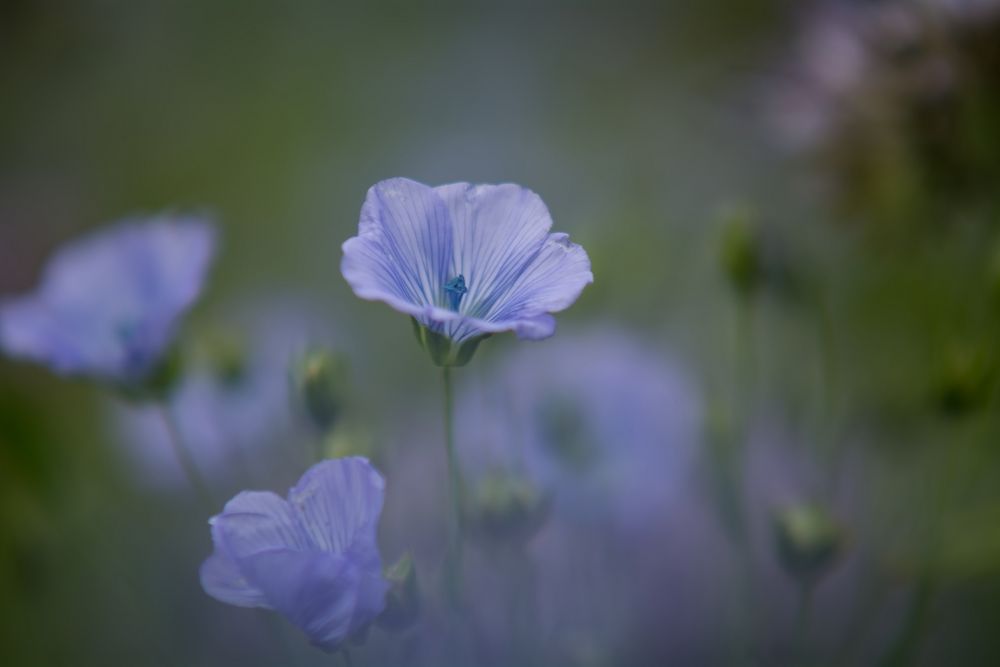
(453, 564)
(183, 456)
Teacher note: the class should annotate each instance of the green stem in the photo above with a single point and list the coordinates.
(802, 623)
(906, 646)
(453, 564)
(183, 456)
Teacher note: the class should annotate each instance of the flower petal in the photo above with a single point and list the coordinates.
(256, 521)
(222, 578)
(338, 503)
(316, 591)
(515, 270)
(108, 304)
(402, 254)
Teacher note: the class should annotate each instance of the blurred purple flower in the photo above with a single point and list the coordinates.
(312, 558)
(464, 260)
(600, 420)
(109, 304)
(234, 400)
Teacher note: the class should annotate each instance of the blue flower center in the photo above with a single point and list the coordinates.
(454, 290)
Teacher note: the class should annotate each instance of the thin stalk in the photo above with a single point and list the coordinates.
(183, 456)
(453, 565)
(906, 646)
(801, 635)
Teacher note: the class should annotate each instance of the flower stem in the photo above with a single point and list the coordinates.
(183, 456)
(800, 638)
(453, 565)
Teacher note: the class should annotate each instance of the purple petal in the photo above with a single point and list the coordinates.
(222, 578)
(402, 254)
(108, 304)
(338, 503)
(256, 521)
(516, 271)
(316, 591)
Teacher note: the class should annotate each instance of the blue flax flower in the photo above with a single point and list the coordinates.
(464, 260)
(312, 558)
(108, 305)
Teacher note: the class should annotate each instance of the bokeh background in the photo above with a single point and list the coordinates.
(792, 213)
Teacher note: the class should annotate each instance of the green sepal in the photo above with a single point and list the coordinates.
(402, 601)
(442, 350)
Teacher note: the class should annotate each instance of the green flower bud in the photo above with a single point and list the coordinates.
(350, 441)
(740, 252)
(320, 379)
(443, 350)
(964, 381)
(227, 356)
(505, 507)
(161, 381)
(808, 541)
(402, 601)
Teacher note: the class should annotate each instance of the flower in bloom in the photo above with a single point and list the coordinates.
(108, 305)
(313, 558)
(464, 260)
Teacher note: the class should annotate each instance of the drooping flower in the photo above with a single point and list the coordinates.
(109, 304)
(235, 402)
(313, 558)
(465, 261)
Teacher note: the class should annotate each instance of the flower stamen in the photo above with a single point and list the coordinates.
(455, 289)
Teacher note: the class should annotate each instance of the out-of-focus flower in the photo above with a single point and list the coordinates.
(601, 421)
(108, 305)
(313, 558)
(898, 101)
(465, 261)
(234, 401)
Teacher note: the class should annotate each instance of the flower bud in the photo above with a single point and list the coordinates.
(808, 540)
(963, 382)
(443, 350)
(320, 379)
(227, 356)
(740, 252)
(505, 507)
(402, 601)
(161, 380)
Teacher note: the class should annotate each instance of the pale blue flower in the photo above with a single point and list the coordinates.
(313, 558)
(109, 304)
(601, 420)
(464, 260)
(234, 408)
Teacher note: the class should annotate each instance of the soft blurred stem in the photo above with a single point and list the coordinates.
(905, 646)
(802, 622)
(345, 653)
(453, 565)
(183, 456)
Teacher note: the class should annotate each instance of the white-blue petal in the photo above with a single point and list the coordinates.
(316, 591)
(256, 521)
(403, 251)
(222, 578)
(108, 304)
(338, 502)
(515, 270)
